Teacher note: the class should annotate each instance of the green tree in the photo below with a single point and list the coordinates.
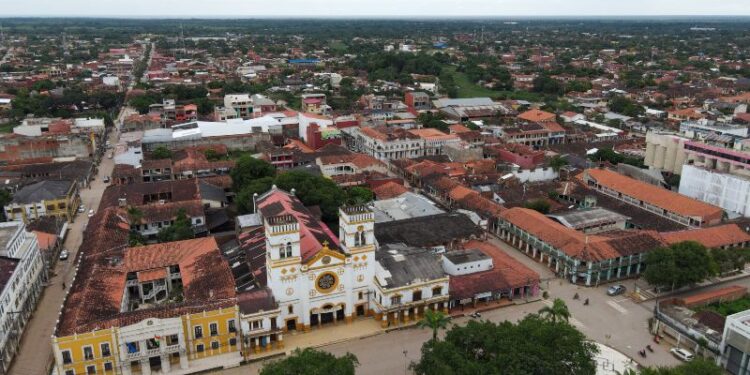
(248, 169)
(359, 195)
(244, 198)
(539, 205)
(161, 152)
(557, 162)
(434, 320)
(698, 366)
(558, 312)
(532, 346)
(181, 229)
(680, 264)
(315, 191)
(312, 362)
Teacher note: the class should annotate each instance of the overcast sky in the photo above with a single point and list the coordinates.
(297, 8)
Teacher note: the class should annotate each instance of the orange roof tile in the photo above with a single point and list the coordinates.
(712, 237)
(389, 190)
(536, 115)
(654, 195)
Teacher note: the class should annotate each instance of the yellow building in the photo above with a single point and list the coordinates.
(170, 345)
(163, 308)
(44, 198)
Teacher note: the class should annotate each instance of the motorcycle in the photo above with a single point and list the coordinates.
(650, 348)
(475, 315)
(642, 353)
(586, 302)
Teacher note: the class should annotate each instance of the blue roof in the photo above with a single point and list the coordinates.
(303, 61)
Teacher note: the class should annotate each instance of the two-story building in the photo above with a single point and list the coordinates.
(44, 198)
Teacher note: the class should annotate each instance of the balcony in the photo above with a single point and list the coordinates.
(169, 349)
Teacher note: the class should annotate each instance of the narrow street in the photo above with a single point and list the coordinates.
(35, 351)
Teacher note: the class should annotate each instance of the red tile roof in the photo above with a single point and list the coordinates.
(313, 232)
(578, 245)
(536, 115)
(389, 190)
(653, 195)
(712, 237)
(507, 273)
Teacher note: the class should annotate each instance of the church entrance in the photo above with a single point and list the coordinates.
(327, 314)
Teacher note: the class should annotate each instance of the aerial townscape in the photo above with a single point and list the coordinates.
(184, 193)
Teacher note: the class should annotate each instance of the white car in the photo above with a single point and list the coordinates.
(64, 254)
(81, 209)
(682, 354)
(91, 213)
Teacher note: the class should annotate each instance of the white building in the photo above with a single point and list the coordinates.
(735, 344)
(21, 278)
(317, 278)
(385, 143)
(727, 191)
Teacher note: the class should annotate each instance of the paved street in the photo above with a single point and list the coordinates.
(615, 321)
(35, 353)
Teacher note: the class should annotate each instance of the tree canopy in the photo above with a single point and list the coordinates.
(248, 169)
(312, 362)
(679, 265)
(434, 320)
(161, 152)
(181, 229)
(533, 346)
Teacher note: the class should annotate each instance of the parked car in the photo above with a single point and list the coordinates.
(91, 213)
(615, 290)
(81, 209)
(64, 254)
(106, 179)
(682, 354)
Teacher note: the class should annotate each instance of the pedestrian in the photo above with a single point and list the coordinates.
(63, 285)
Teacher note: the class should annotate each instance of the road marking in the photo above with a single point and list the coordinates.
(623, 299)
(571, 320)
(617, 307)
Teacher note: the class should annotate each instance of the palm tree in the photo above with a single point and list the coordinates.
(557, 162)
(434, 320)
(558, 312)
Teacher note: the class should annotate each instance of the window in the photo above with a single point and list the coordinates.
(88, 353)
(255, 324)
(232, 327)
(214, 329)
(91, 369)
(199, 348)
(105, 350)
(395, 300)
(282, 253)
(437, 291)
(214, 345)
(290, 309)
(361, 295)
(108, 366)
(416, 295)
(198, 332)
(70, 372)
(233, 341)
(288, 249)
(67, 359)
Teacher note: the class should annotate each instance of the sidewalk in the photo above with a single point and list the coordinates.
(649, 294)
(330, 334)
(35, 349)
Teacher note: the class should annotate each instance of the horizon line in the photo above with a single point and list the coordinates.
(385, 16)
